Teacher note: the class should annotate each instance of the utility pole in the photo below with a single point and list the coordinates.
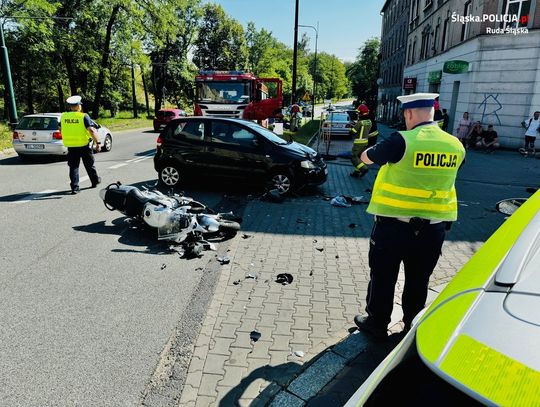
(295, 54)
(8, 83)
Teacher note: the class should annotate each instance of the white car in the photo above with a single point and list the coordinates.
(39, 134)
(477, 344)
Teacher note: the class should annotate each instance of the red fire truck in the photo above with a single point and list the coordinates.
(237, 94)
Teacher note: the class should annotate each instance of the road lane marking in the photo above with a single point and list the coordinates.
(31, 197)
(117, 166)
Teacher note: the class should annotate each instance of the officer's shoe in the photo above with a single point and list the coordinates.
(364, 323)
(75, 190)
(95, 184)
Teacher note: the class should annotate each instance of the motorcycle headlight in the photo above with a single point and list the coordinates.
(308, 165)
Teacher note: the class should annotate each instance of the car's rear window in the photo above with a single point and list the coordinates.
(162, 114)
(38, 123)
(338, 117)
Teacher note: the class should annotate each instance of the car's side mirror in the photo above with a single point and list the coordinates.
(509, 206)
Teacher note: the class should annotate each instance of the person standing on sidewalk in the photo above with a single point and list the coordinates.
(413, 200)
(77, 132)
(360, 131)
(532, 130)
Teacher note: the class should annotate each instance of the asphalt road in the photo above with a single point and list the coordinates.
(95, 312)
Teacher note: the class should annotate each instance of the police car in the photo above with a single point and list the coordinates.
(477, 344)
(39, 134)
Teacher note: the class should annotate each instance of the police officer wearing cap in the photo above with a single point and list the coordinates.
(413, 200)
(77, 132)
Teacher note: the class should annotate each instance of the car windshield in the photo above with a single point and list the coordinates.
(270, 135)
(38, 123)
(223, 92)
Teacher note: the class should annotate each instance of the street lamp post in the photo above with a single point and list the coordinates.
(315, 68)
(8, 83)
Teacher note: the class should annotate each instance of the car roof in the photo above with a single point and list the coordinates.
(170, 110)
(43, 115)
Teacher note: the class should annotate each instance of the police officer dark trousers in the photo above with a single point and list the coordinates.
(77, 131)
(413, 200)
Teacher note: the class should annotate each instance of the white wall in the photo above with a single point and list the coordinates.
(502, 86)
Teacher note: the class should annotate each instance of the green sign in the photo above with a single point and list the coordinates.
(456, 67)
(435, 77)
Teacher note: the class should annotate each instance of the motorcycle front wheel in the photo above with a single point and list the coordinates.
(228, 226)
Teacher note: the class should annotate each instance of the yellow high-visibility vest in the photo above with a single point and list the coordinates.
(74, 133)
(421, 184)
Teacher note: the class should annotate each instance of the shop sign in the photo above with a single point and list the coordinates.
(455, 67)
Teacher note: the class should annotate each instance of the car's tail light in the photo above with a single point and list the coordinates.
(57, 135)
(159, 141)
(198, 111)
(15, 135)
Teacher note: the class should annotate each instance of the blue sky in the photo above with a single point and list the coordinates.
(344, 25)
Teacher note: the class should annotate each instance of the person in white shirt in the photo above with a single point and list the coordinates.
(532, 130)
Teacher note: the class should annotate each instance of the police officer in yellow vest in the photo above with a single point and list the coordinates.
(413, 200)
(77, 132)
(361, 132)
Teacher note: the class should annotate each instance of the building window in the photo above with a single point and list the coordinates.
(414, 10)
(436, 36)
(428, 4)
(409, 54)
(444, 42)
(518, 8)
(413, 50)
(467, 26)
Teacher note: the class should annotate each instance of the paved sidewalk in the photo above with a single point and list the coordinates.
(325, 250)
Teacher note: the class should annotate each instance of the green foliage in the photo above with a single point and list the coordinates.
(91, 53)
(221, 43)
(363, 73)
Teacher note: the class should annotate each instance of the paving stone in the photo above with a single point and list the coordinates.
(209, 384)
(222, 346)
(214, 364)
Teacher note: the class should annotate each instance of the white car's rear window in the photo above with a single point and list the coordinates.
(38, 123)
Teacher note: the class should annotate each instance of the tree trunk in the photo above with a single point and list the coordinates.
(29, 91)
(71, 74)
(60, 96)
(104, 61)
(145, 94)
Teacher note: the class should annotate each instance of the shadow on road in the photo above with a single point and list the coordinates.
(18, 161)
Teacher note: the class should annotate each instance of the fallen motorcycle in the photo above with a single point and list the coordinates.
(177, 218)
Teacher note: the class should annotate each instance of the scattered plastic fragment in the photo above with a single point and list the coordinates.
(311, 273)
(251, 275)
(255, 336)
(236, 282)
(340, 201)
(352, 225)
(246, 236)
(284, 278)
(314, 240)
(163, 266)
(337, 256)
(299, 353)
(320, 249)
(223, 260)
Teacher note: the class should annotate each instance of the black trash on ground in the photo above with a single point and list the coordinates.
(284, 278)
(255, 336)
(273, 195)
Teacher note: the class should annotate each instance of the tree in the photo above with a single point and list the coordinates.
(363, 73)
(221, 43)
(331, 79)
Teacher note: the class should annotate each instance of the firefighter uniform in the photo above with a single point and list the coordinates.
(75, 136)
(413, 199)
(362, 132)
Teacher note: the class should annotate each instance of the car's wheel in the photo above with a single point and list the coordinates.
(169, 175)
(107, 143)
(282, 181)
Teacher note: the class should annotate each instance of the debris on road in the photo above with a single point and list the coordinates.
(352, 225)
(251, 275)
(223, 260)
(311, 273)
(163, 266)
(273, 195)
(299, 353)
(300, 220)
(236, 282)
(320, 249)
(284, 278)
(255, 336)
(340, 201)
(246, 236)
